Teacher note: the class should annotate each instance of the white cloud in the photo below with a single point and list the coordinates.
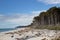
(18, 19)
(50, 1)
(21, 20)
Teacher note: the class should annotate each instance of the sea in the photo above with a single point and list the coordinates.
(6, 29)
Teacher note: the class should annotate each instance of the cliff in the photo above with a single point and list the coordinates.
(47, 19)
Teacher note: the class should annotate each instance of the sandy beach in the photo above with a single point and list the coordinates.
(29, 34)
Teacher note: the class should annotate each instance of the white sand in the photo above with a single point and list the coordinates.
(29, 34)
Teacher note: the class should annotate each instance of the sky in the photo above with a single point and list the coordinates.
(21, 12)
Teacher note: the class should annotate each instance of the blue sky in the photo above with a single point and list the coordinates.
(21, 12)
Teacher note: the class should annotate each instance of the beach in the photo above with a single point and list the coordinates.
(29, 34)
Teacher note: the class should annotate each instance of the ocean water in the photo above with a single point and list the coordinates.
(6, 29)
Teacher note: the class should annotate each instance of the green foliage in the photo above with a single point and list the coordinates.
(37, 18)
(49, 12)
(50, 17)
(49, 27)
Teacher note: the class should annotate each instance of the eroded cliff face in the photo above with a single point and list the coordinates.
(51, 18)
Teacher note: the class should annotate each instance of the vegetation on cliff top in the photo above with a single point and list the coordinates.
(48, 20)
